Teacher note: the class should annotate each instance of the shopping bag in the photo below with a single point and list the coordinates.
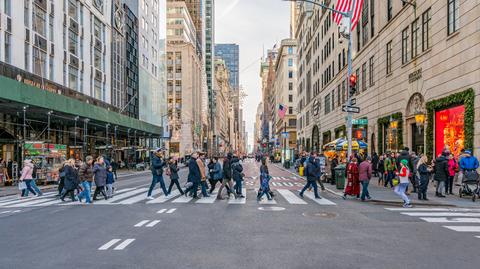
(22, 185)
(395, 181)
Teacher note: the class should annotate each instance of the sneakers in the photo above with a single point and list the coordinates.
(150, 198)
(407, 205)
(300, 194)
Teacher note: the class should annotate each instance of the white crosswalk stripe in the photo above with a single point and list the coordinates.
(162, 198)
(291, 197)
(460, 219)
(323, 201)
(239, 200)
(208, 200)
(123, 196)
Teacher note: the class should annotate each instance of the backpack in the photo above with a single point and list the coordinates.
(34, 172)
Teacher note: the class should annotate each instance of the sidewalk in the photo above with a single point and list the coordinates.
(13, 190)
(386, 196)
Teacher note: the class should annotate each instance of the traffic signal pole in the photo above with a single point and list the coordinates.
(349, 73)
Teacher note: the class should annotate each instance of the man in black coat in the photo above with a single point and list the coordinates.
(441, 174)
(313, 170)
(237, 174)
(194, 176)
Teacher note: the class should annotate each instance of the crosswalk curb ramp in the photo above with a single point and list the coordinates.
(463, 220)
(129, 196)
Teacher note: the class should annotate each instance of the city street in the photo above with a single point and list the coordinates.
(129, 231)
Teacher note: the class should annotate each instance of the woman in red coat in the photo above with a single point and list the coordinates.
(353, 181)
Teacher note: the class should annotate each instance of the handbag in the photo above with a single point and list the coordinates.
(396, 181)
(22, 185)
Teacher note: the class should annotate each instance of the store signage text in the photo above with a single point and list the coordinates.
(415, 75)
(360, 122)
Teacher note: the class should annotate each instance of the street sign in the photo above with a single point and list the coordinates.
(360, 122)
(352, 109)
(354, 101)
(285, 134)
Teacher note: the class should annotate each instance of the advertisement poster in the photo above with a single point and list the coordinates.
(449, 130)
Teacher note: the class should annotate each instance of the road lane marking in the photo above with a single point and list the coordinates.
(153, 223)
(182, 199)
(440, 214)
(109, 244)
(33, 202)
(141, 223)
(467, 229)
(291, 197)
(208, 200)
(122, 196)
(432, 209)
(162, 198)
(49, 203)
(267, 202)
(239, 200)
(21, 200)
(124, 244)
(452, 220)
(170, 211)
(161, 211)
(322, 201)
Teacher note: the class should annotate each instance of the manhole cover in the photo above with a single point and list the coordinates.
(271, 208)
(326, 215)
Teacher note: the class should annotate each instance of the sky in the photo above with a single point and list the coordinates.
(254, 25)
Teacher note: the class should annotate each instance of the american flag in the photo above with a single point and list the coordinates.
(282, 110)
(345, 6)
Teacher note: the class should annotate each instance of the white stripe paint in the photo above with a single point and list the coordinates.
(58, 201)
(322, 201)
(288, 184)
(183, 199)
(291, 197)
(440, 214)
(452, 220)
(431, 209)
(478, 236)
(20, 200)
(274, 183)
(109, 244)
(170, 211)
(162, 198)
(124, 244)
(122, 196)
(5, 212)
(141, 223)
(208, 200)
(33, 202)
(161, 211)
(475, 229)
(267, 202)
(239, 200)
(153, 223)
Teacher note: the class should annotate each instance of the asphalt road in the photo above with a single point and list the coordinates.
(289, 232)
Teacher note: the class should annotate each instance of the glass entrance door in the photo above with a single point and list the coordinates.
(418, 139)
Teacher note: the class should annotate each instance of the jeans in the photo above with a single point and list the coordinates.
(34, 187)
(449, 184)
(87, 189)
(174, 182)
(99, 189)
(311, 184)
(238, 187)
(265, 191)
(400, 191)
(226, 183)
(193, 189)
(440, 187)
(204, 188)
(156, 179)
(422, 188)
(29, 188)
(365, 192)
(65, 193)
(389, 179)
(109, 190)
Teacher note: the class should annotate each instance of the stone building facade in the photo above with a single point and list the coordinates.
(418, 71)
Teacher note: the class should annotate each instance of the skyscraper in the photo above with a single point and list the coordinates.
(230, 53)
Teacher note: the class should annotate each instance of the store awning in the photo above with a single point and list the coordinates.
(12, 91)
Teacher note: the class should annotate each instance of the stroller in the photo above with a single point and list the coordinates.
(470, 185)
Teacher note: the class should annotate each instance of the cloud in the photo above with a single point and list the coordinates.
(228, 9)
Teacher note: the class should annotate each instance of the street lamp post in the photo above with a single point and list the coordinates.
(85, 137)
(106, 137)
(24, 130)
(49, 115)
(75, 137)
(349, 60)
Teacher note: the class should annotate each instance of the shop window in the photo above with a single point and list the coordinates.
(449, 130)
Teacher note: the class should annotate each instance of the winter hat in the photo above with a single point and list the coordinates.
(404, 162)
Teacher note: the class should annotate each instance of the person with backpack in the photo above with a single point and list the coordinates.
(312, 170)
(100, 178)
(401, 188)
(173, 170)
(264, 182)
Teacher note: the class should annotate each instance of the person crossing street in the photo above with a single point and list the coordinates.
(157, 173)
(313, 170)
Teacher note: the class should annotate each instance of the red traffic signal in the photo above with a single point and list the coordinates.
(353, 80)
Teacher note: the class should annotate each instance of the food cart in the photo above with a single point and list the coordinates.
(339, 148)
(48, 158)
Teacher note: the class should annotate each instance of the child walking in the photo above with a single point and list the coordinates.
(110, 181)
(401, 188)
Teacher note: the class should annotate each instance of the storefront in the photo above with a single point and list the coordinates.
(48, 158)
(390, 133)
(450, 123)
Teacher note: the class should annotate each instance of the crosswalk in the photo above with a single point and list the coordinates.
(463, 220)
(130, 196)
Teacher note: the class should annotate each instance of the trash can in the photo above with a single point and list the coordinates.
(300, 170)
(340, 176)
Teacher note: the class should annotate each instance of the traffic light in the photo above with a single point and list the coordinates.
(353, 85)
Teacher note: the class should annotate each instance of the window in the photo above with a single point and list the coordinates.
(8, 48)
(370, 71)
(359, 81)
(50, 28)
(389, 58)
(292, 122)
(332, 95)
(405, 55)
(344, 93)
(97, 89)
(389, 10)
(73, 9)
(364, 76)
(365, 31)
(290, 110)
(290, 50)
(27, 57)
(327, 104)
(26, 13)
(453, 16)
(72, 42)
(51, 67)
(426, 31)
(39, 20)
(372, 18)
(97, 59)
(73, 78)
(290, 74)
(290, 86)
(7, 7)
(290, 62)
(290, 98)
(359, 38)
(39, 61)
(415, 37)
(339, 96)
